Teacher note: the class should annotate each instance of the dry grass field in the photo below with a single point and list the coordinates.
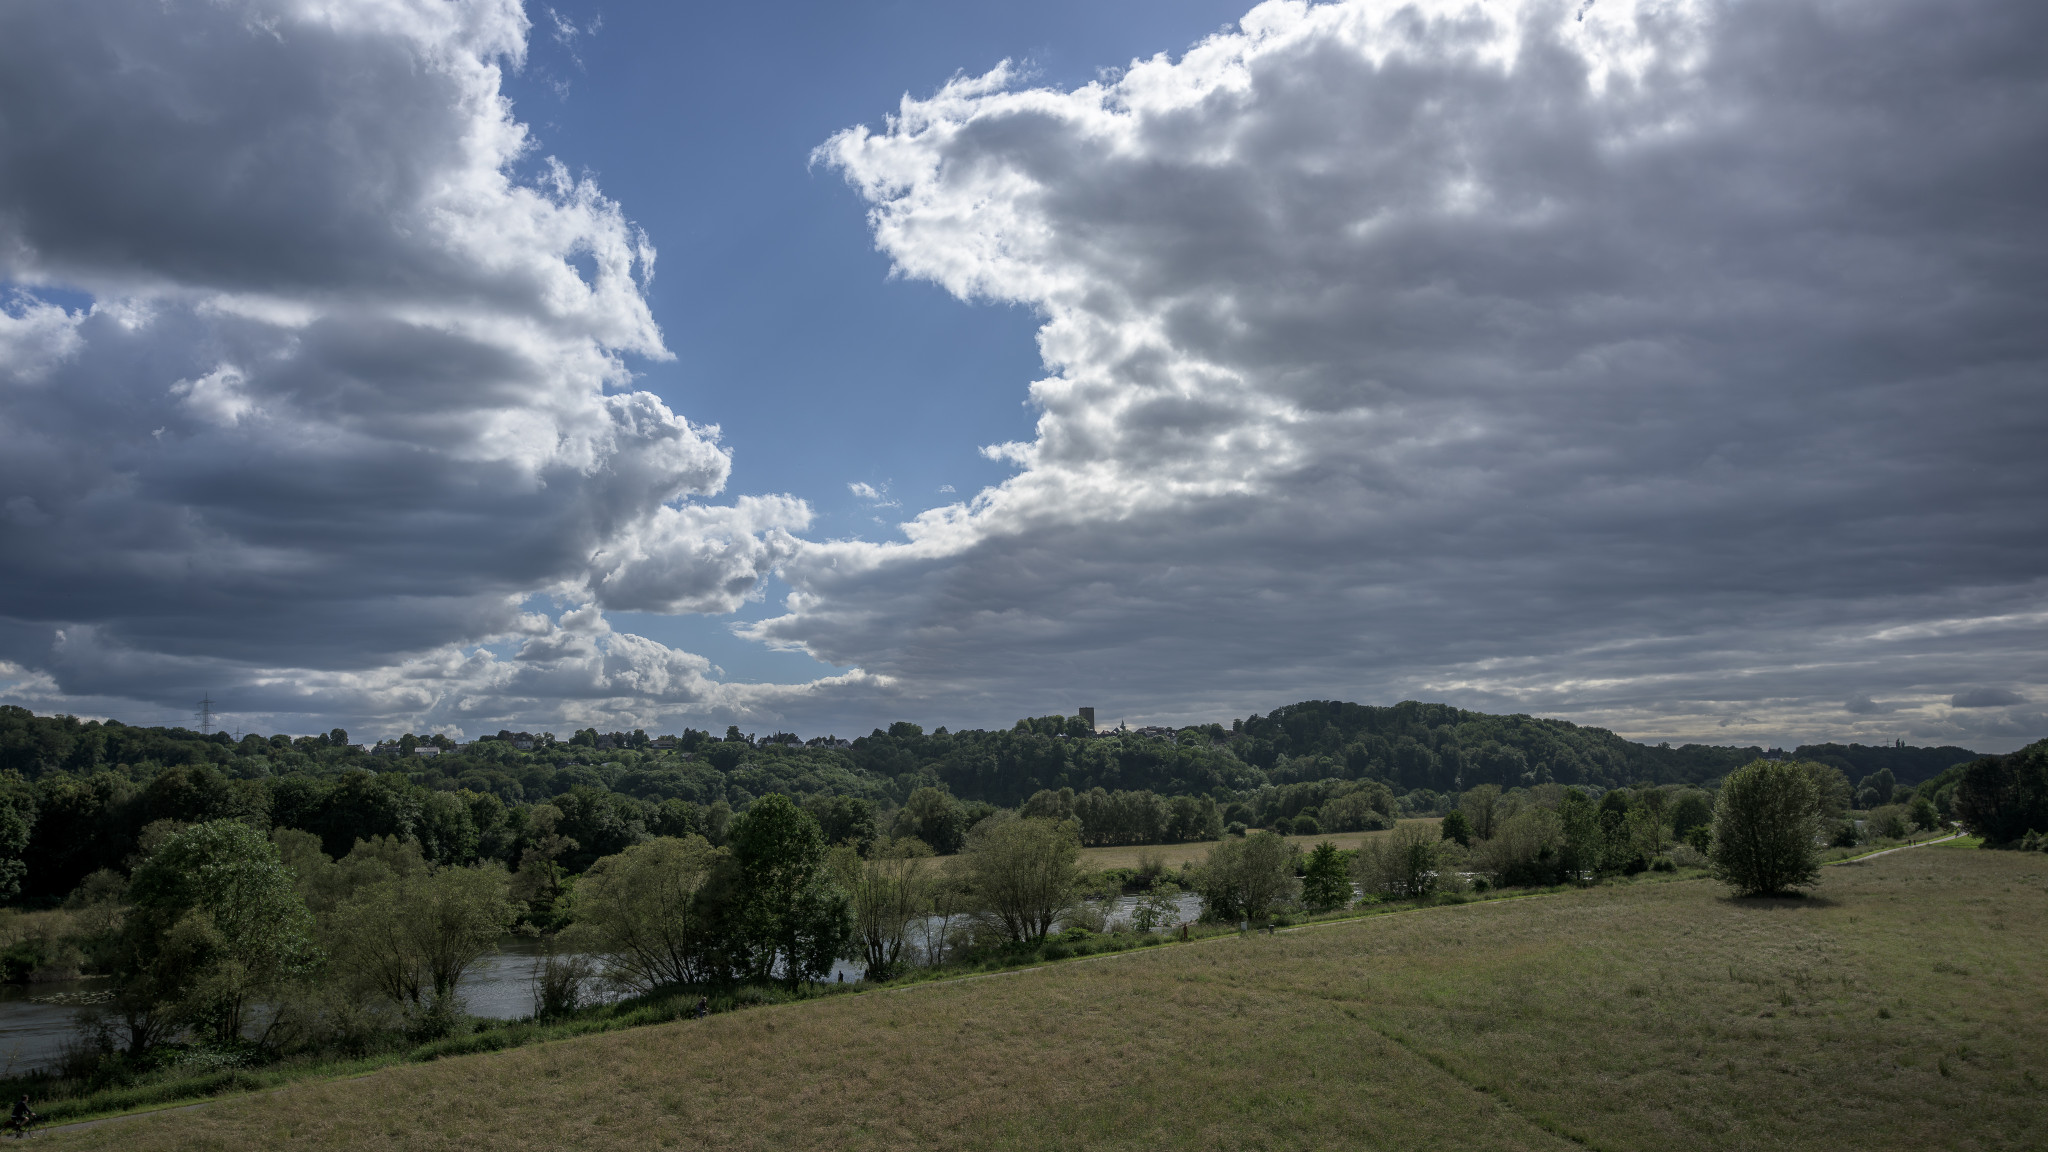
(1904, 1006)
(1177, 854)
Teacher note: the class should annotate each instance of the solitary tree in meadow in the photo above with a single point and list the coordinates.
(1765, 824)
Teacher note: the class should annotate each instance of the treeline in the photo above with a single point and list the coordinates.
(255, 932)
(77, 796)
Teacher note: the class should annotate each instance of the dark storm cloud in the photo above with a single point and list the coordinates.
(1678, 368)
(348, 394)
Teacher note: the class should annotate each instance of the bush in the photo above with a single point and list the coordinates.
(1764, 827)
(1663, 864)
(1890, 822)
(1403, 864)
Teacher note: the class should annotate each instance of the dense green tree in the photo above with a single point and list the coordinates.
(447, 830)
(1485, 810)
(17, 824)
(1456, 827)
(1832, 793)
(1766, 821)
(848, 820)
(217, 926)
(1527, 852)
(1692, 809)
(1875, 790)
(1325, 879)
(412, 936)
(2002, 798)
(361, 806)
(784, 908)
(934, 817)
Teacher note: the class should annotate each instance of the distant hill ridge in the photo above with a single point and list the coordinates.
(1410, 745)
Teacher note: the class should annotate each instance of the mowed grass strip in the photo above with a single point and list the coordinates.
(1901, 1007)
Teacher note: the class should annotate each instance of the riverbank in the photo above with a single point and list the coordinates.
(1897, 1006)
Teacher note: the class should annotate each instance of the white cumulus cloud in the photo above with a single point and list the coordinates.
(1676, 366)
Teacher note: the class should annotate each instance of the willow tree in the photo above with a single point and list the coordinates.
(887, 892)
(1024, 873)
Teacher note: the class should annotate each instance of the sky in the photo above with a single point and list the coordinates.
(1674, 366)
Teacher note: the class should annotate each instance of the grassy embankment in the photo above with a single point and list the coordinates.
(1901, 1006)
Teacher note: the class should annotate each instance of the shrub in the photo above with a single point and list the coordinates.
(1890, 822)
(1242, 879)
(1403, 864)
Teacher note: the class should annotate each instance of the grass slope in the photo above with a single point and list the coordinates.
(1902, 1007)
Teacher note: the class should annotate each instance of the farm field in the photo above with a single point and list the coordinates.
(1900, 1007)
(1126, 856)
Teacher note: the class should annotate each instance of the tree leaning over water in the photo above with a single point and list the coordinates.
(1766, 821)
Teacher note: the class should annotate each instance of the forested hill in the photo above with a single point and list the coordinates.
(1907, 765)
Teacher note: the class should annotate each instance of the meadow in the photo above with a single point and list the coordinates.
(1901, 1005)
(1192, 852)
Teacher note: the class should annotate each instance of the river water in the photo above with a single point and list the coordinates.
(38, 1020)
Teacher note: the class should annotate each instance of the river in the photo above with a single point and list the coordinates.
(38, 1020)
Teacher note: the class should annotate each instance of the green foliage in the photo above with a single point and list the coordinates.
(2002, 798)
(216, 925)
(783, 907)
(642, 914)
(887, 893)
(1401, 865)
(1765, 822)
(932, 816)
(1024, 873)
(1528, 852)
(1693, 809)
(1245, 879)
(1157, 907)
(1326, 879)
(17, 817)
(411, 936)
(1456, 827)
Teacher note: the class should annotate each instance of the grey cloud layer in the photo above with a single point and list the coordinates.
(349, 391)
(1679, 367)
